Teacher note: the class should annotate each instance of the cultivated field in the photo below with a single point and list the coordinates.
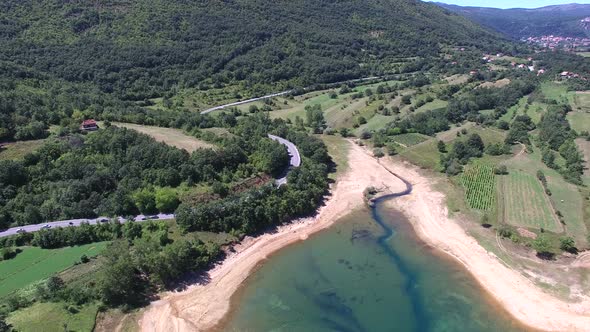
(35, 264)
(480, 186)
(18, 150)
(582, 101)
(170, 136)
(53, 317)
(525, 203)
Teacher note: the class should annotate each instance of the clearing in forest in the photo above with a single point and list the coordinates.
(17, 150)
(170, 136)
(525, 202)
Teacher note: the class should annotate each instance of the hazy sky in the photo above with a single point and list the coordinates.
(511, 3)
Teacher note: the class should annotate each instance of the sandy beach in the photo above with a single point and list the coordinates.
(202, 307)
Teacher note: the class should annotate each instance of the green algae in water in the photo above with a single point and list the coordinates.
(360, 276)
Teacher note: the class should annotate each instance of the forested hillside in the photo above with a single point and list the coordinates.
(560, 20)
(142, 49)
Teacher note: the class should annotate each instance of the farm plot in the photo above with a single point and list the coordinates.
(410, 139)
(480, 186)
(36, 264)
(525, 203)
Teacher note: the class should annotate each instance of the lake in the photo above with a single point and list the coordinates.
(369, 272)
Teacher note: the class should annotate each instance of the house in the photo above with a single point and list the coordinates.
(89, 125)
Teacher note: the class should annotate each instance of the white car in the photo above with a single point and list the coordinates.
(20, 230)
(46, 226)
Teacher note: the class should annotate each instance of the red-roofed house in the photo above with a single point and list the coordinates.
(89, 125)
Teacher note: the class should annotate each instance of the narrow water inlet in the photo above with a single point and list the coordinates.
(369, 272)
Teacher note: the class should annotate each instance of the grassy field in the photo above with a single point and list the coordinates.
(581, 101)
(425, 154)
(525, 203)
(338, 150)
(480, 186)
(170, 136)
(584, 54)
(584, 147)
(578, 121)
(557, 92)
(410, 139)
(36, 264)
(53, 317)
(18, 150)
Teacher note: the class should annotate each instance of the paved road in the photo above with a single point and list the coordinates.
(293, 152)
(216, 108)
(245, 101)
(294, 162)
(76, 223)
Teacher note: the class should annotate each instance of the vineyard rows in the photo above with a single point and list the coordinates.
(480, 186)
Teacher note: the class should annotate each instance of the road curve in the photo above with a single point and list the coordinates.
(78, 222)
(294, 162)
(293, 152)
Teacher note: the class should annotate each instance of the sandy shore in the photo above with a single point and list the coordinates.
(426, 210)
(201, 307)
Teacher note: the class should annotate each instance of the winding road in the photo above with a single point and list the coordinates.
(293, 152)
(294, 162)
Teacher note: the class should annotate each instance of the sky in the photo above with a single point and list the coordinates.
(511, 3)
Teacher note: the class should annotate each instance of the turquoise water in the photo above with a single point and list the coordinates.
(369, 272)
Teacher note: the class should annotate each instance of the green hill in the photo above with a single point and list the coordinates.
(142, 48)
(560, 20)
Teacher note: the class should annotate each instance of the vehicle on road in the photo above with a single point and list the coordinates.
(20, 230)
(152, 217)
(103, 220)
(71, 223)
(46, 226)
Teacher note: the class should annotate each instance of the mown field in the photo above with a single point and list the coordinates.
(35, 264)
(170, 136)
(18, 150)
(525, 203)
(579, 121)
(480, 186)
(410, 139)
(53, 317)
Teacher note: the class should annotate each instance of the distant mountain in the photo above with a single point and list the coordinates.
(572, 20)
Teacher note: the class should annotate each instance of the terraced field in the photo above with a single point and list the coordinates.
(480, 186)
(525, 203)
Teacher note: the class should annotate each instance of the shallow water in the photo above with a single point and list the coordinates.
(369, 272)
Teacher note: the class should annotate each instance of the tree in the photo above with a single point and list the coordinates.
(344, 132)
(145, 200)
(378, 153)
(568, 244)
(391, 150)
(543, 247)
(442, 148)
(118, 282)
(166, 200)
(501, 170)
